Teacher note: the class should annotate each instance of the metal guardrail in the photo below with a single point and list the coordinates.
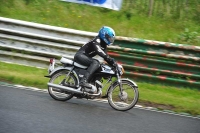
(31, 43)
(160, 62)
(144, 60)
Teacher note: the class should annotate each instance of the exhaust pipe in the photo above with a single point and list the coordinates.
(65, 88)
(72, 89)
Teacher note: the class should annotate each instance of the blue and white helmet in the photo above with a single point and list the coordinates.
(107, 34)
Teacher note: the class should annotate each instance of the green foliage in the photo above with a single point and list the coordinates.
(173, 9)
(19, 74)
(189, 37)
(169, 18)
(180, 99)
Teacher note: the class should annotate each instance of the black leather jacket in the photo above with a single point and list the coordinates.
(96, 47)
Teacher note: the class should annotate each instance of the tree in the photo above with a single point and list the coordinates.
(151, 3)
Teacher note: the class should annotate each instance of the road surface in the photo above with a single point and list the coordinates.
(26, 111)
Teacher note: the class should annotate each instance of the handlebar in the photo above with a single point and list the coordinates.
(117, 69)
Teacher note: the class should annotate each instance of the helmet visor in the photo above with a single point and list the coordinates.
(110, 39)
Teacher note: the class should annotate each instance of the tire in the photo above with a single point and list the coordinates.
(130, 94)
(57, 78)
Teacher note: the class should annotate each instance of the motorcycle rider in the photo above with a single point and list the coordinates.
(96, 46)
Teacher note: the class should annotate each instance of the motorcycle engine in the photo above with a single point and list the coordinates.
(93, 88)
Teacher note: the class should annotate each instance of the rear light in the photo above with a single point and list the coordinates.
(51, 65)
(51, 61)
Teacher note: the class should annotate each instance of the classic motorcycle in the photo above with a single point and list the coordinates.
(122, 93)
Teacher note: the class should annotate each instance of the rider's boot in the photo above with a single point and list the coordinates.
(84, 81)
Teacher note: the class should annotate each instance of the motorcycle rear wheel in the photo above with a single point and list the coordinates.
(126, 101)
(57, 78)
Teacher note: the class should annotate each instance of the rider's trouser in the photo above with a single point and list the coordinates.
(92, 64)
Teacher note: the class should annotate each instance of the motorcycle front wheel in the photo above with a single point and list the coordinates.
(58, 78)
(125, 101)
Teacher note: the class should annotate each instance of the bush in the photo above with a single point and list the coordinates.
(189, 37)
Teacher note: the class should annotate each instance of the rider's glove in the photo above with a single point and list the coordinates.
(115, 65)
(110, 61)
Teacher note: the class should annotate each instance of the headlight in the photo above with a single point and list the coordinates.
(123, 69)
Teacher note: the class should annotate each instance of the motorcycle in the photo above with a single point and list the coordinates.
(122, 93)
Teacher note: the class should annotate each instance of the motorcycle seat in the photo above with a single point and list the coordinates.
(71, 62)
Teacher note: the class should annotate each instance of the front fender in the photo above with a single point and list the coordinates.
(126, 79)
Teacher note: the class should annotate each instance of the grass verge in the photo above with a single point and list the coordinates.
(162, 97)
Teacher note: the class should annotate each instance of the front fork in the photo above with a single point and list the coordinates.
(120, 84)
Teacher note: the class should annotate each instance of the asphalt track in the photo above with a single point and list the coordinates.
(27, 111)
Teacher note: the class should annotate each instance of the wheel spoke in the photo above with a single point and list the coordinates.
(60, 78)
(123, 100)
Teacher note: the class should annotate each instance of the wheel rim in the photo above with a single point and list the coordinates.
(125, 101)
